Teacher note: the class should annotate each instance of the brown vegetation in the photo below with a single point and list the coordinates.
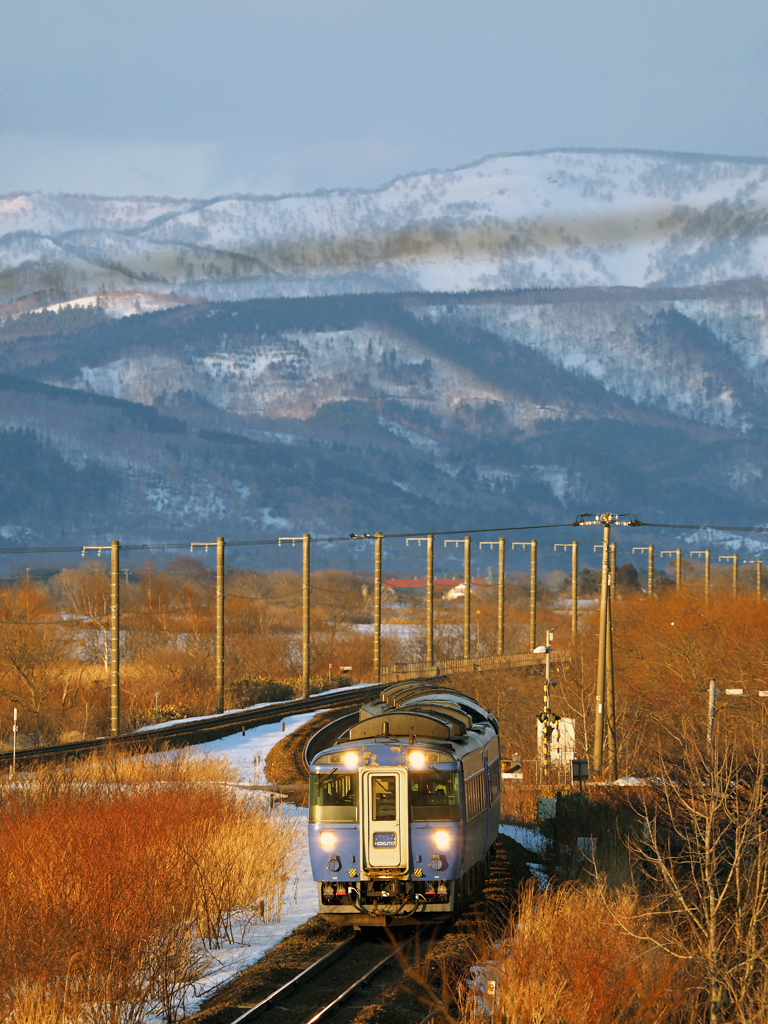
(121, 878)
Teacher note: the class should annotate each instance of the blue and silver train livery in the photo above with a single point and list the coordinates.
(404, 807)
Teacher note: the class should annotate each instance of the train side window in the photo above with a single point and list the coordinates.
(494, 772)
(333, 796)
(434, 796)
(384, 797)
(474, 793)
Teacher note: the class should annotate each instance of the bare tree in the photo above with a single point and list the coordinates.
(703, 852)
(34, 648)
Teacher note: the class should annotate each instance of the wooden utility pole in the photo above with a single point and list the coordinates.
(613, 568)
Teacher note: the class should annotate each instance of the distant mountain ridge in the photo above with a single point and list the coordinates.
(396, 412)
(563, 218)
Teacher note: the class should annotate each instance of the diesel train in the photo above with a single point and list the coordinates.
(404, 807)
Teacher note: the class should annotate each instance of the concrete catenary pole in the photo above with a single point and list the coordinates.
(610, 698)
(430, 598)
(220, 625)
(532, 618)
(377, 610)
(650, 570)
(597, 755)
(706, 571)
(574, 591)
(305, 599)
(759, 578)
(500, 601)
(678, 568)
(467, 596)
(735, 573)
(115, 639)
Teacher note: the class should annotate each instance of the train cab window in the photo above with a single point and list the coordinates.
(384, 797)
(434, 796)
(333, 796)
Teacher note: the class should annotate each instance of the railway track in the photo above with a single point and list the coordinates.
(329, 988)
(198, 730)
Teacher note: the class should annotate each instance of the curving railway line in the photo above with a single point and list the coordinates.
(362, 976)
(197, 730)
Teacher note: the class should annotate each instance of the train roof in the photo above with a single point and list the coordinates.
(424, 711)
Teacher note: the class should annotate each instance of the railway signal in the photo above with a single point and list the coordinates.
(547, 718)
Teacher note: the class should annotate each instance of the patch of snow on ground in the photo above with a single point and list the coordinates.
(530, 838)
(248, 754)
(541, 876)
(300, 905)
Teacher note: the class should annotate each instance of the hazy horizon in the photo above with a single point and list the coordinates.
(197, 100)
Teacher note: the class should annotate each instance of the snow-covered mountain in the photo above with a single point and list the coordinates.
(353, 413)
(553, 219)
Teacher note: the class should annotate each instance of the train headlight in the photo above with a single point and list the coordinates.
(352, 759)
(441, 837)
(417, 758)
(328, 840)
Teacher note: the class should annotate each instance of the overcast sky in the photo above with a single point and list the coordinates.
(204, 97)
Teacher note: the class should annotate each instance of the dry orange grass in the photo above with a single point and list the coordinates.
(578, 955)
(114, 892)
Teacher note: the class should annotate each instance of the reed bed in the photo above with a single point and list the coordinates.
(579, 955)
(121, 878)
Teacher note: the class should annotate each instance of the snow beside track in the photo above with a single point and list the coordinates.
(248, 754)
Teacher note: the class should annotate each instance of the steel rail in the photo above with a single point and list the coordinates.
(306, 975)
(342, 998)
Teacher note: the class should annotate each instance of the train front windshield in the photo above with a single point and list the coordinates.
(434, 796)
(333, 796)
